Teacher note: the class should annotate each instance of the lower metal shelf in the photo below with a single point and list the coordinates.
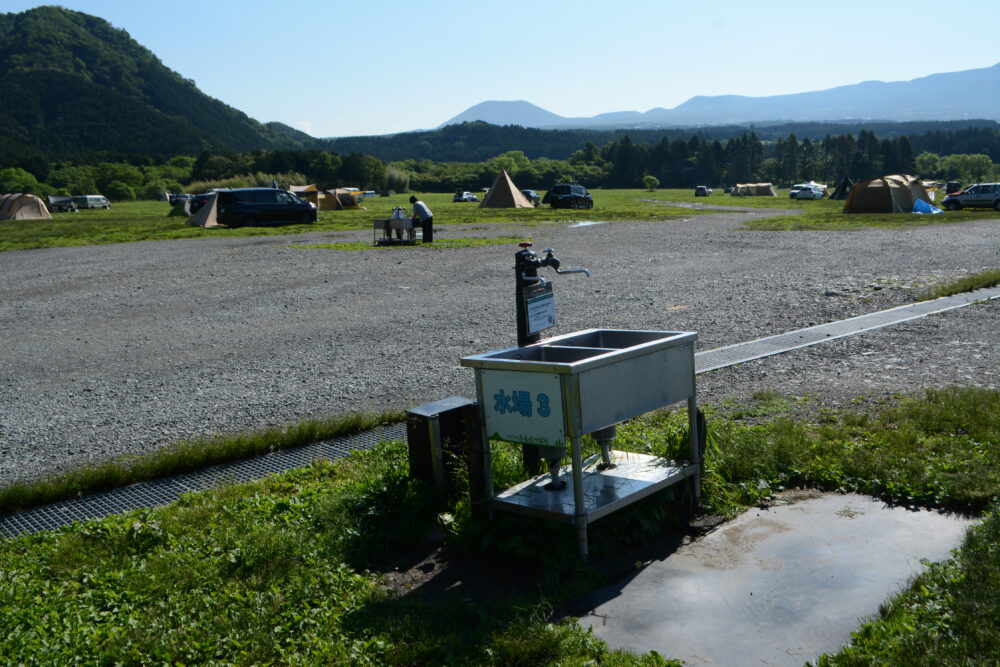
(634, 477)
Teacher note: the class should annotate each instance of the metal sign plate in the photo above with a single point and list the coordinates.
(523, 407)
(541, 310)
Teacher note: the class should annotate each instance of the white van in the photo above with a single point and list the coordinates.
(92, 201)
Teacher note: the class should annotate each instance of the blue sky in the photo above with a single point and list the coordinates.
(333, 68)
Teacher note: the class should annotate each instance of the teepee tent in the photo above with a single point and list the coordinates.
(896, 193)
(843, 190)
(22, 206)
(504, 194)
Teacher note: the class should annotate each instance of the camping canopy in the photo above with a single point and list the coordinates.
(754, 190)
(309, 193)
(887, 194)
(504, 194)
(22, 206)
(206, 215)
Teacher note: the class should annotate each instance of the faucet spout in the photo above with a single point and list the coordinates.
(587, 271)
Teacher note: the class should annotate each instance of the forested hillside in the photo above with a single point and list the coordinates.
(71, 83)
(477, 141)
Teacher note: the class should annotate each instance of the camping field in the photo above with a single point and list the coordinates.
(151, 221)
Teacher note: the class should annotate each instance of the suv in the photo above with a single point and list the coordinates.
(702, 191)
(252, 206)
(568, 195)
(980, 195)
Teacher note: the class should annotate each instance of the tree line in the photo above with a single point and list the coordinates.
(673, 162)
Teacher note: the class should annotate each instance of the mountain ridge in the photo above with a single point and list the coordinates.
(939, 96)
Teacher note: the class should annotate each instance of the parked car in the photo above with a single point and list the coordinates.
(531, 195)
(806, 192)
(178, 198)
(464, 196)
(59, 204)
(92, 201)
(568, 195)
(980, 195)
(702, 191)
(252, 206)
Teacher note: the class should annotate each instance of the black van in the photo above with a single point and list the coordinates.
(262, 206)
(568, 195)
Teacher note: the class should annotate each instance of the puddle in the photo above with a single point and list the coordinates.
(776, 586)
(588, 223)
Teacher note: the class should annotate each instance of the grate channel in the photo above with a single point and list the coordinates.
(165, 491)
(731, 355)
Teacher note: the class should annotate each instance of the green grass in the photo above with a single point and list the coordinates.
(150, 221)
(969, 283)
(282, 570)
(182, 457)
(826, 215)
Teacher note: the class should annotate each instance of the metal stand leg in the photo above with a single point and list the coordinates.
(605, 437)
(556, 484)
(580, 516)
(695, 446)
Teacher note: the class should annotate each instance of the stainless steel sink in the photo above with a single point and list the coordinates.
(566, 386)
(603, 377)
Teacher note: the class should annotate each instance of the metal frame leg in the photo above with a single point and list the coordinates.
(580, 516)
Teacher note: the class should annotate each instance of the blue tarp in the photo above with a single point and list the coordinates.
(920, 206)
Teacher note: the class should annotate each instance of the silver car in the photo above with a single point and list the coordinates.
(980, 195)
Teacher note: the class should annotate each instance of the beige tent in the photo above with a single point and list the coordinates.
(504, 194)
(339, 200)
(754, 190)
(22, 206)
(886, 194)
(309, 193)
(207, 214)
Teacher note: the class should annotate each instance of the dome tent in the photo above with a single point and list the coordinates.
(23, 206)
(896, 193)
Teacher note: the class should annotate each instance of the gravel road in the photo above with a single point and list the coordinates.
(117, 349)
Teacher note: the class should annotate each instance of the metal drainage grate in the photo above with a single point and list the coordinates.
(164, 491)
(731, 355)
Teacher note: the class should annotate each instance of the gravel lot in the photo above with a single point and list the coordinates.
(117, 349)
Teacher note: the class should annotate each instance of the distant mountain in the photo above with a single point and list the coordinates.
(71, 83)
(497, 113)
(970, 94)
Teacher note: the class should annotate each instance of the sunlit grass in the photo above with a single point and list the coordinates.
(150, 221)
(282, 571)
(969, 283)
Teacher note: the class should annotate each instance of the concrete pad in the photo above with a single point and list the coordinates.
(776, 586)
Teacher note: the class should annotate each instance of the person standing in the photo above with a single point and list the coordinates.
(423, 216)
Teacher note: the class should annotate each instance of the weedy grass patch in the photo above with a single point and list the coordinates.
(968, 283)
(283, 570)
